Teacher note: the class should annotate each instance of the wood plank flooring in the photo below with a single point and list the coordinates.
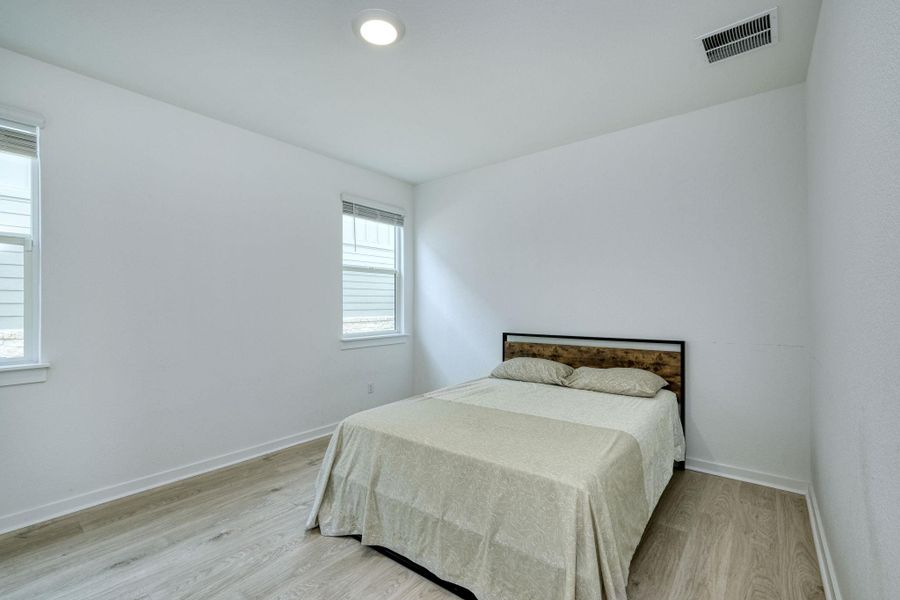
(238, 533)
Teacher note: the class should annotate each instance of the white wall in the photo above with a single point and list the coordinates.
(690, 228)
(192, 286)
(854, 203)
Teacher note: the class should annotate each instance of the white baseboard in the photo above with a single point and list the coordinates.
(59, 508)
(826, 567)
(796, 486)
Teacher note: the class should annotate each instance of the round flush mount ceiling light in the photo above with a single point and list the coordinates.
(378, 27)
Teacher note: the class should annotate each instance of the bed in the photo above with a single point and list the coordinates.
(513, 490)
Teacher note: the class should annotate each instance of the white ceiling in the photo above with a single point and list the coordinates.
(472, 82)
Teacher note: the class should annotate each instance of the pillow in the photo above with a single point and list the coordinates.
(626, 382)
(535, 370)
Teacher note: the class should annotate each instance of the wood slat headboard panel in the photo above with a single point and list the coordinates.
(665, 364)
(667, 360)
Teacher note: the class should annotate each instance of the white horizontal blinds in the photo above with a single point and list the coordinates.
(18, 152)
(372, 214)
(18, 141)
(370, 270)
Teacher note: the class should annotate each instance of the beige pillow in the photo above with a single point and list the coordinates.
(535, 370)
(627, 382)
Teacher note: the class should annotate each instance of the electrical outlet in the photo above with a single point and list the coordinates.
(371, 388)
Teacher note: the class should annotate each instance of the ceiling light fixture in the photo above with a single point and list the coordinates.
(378, 27)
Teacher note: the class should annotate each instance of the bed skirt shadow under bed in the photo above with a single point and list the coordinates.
(451, 587)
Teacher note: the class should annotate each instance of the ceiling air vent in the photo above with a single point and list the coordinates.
(756, 32)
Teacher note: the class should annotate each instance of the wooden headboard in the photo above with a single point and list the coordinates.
(663, 357)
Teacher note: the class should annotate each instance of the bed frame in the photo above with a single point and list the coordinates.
(663, 357)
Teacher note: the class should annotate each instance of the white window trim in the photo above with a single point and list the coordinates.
(371, 341)
(31, 368)
(20, 374)
(399, 335)
(21, 116)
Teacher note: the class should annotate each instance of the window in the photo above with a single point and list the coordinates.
(372, 276)
(19, 263)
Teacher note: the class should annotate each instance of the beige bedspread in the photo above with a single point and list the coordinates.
(515, 491)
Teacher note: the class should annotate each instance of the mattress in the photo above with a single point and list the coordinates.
(513, 490)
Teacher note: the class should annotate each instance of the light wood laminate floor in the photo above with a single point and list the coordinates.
(238, 533)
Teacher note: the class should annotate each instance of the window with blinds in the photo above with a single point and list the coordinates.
(18, 263)
(372, 261)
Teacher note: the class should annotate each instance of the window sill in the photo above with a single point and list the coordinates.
(24, 373)
(373, 340)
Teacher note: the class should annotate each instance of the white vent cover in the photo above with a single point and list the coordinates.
(749, 34)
